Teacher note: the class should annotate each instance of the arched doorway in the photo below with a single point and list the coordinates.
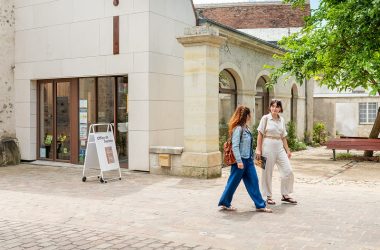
(227, 103)
(261, 98)
(293, 103)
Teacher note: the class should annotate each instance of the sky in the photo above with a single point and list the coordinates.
(313, 3)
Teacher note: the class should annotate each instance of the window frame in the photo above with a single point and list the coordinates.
(367, 122)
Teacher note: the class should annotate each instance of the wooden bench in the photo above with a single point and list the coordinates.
(356, 143)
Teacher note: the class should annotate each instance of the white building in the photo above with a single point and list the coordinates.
(351, 113)
(142, 65)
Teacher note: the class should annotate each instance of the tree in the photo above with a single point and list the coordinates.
(339, 47)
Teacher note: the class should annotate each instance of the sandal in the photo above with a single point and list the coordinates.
(289, 199)
(230, 208)
(270, 201)
(264, 210)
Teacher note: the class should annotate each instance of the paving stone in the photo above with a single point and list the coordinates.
(105, 246)
(162, 212)
(139, 244)
(120, 246)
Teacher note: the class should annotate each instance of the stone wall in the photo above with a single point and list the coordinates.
(7, 42)
(247, 66)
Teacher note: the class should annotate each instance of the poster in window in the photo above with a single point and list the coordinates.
(83, 103)
(83, 115)
(83, 131)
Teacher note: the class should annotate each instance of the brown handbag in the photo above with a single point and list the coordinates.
(261, 163)
(228, 154)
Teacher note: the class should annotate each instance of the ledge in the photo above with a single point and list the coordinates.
(166, 150)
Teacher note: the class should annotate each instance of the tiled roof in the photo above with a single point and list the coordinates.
(254, 15)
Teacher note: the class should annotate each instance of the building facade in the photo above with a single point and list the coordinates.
(164, 79)
(350, 113)
(90, 61)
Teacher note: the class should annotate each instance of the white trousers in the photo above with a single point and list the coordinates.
(276, 155)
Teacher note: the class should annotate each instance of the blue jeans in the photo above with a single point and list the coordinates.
(251, 182)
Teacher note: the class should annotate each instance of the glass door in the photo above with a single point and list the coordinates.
(46, 121)
(63, 121)
(122, 120)
(87, 112)
(66, 109)
(57, 120)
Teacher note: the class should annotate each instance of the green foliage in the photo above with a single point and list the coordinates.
(300, 146)
(254, 135)
(344, 156)
(319, 133)
(293, 142)
(292, 135)
(223, 134)
(307, 138)
(339, 46)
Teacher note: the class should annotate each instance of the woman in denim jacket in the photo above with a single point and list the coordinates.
(243, 168)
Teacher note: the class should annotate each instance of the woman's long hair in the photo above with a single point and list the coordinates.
(239, 118)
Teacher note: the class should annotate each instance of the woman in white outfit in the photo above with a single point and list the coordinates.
(272, 144)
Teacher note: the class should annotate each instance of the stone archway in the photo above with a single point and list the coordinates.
(261, 97)
(227, 102)
(294, 103)
(227, 95)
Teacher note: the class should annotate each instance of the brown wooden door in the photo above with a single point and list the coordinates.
(58, 120)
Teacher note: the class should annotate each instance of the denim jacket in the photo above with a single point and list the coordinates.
(241, 148)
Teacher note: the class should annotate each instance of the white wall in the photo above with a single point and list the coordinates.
(347, 118)
(73, 38)
(70, 38)
(158, 100)
(341, 114)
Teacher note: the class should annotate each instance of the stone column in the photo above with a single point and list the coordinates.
(201, 157)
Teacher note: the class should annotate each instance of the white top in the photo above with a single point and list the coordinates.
(275, 127)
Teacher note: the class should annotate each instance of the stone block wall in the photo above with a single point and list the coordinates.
(7, 44)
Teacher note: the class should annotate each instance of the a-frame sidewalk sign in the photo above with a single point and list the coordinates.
(101, 153)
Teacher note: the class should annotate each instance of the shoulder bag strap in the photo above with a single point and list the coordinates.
(283, 127)
(265, 127)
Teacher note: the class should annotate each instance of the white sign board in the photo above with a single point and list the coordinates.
(106, 150)
(101, 151)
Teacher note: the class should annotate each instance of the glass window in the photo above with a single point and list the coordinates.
(46, 121)
(97, 100)
(122, 119)
(106, 100)
(367, 112)
(87, 112)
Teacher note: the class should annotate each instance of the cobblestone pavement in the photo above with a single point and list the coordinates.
(46, 207)
(26, 235)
